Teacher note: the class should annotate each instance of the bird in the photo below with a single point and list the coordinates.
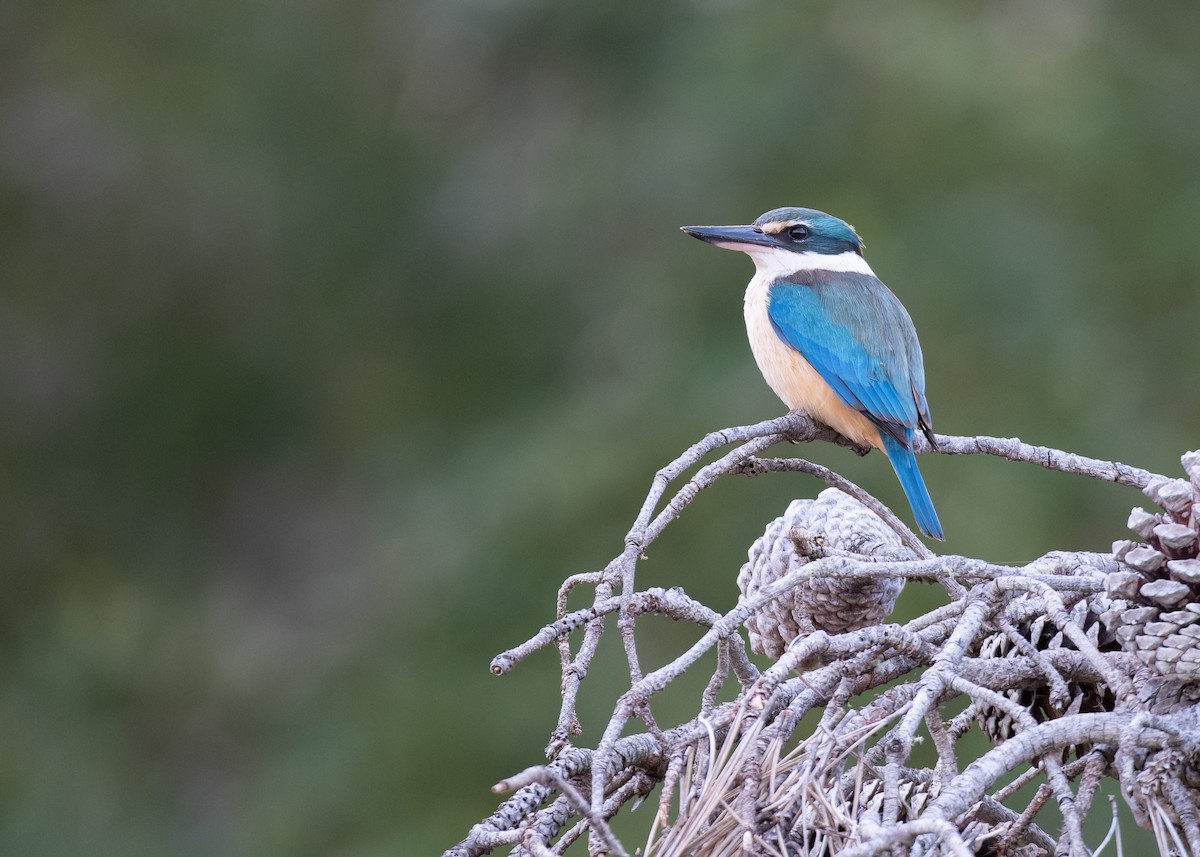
(832, 340)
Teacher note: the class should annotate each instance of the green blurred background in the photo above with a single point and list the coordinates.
(333, 335)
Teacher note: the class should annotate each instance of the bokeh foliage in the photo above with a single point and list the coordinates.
(333, 335)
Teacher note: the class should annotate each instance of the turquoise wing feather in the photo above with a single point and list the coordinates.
(857, 336)
(860, 339)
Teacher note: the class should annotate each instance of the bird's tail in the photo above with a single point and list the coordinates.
(905, 465)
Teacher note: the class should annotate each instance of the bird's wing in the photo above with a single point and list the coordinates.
(860, 339)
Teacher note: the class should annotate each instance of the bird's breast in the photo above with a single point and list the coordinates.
(793, 378)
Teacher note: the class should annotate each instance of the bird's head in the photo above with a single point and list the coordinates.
(786, 236)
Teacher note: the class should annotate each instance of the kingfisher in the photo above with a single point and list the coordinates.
(831, 339)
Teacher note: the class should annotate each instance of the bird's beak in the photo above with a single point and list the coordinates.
(731, 237)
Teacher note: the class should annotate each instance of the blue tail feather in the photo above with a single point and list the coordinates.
(905, 465)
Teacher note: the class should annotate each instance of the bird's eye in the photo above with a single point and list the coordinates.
(798, 232)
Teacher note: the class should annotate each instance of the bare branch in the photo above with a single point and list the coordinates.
(1079, 664)
(1045, 456)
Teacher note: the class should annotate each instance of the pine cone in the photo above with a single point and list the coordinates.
(1038, 701)
(915, 795)
(805, 532)
(1155, 610)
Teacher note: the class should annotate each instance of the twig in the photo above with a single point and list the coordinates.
(754, 466)
(1049, 458)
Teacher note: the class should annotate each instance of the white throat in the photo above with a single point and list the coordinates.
(773, 262)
